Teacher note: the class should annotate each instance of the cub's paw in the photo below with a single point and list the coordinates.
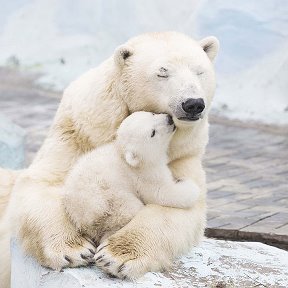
(189, 191)
(72, 252)
(120, 261)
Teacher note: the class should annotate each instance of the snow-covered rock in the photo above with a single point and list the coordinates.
(215, 263)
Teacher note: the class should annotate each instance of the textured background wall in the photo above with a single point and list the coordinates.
(63, 38)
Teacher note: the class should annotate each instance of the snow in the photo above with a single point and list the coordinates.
(234, 264)
(61, 39)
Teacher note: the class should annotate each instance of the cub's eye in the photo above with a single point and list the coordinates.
(163, 73)
(200, 72)
(153, 133)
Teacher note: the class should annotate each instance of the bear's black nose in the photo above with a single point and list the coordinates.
(193, 106)
(170, 120)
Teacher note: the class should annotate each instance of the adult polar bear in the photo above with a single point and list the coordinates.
(159, 72)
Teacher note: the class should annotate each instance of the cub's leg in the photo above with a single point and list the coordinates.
(97, 206)
(181, 194)
(88, 204)
(171, 193)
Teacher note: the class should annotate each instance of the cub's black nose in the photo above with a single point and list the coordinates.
(170, 120)
(193, 106)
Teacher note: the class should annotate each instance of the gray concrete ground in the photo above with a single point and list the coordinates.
(246, 164)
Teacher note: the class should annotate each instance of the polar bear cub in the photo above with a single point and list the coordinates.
(109, 185)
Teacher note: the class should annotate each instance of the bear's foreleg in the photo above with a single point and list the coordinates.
(157, 234)
(41, 224)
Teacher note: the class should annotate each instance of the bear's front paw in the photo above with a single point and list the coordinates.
(121, 261)
(72, 252)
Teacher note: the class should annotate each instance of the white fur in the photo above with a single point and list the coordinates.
(90, 112)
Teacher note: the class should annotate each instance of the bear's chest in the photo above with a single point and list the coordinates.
(187, 143)
(180, 147)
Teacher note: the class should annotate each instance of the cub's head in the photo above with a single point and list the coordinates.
(144, 137)
(168, 73)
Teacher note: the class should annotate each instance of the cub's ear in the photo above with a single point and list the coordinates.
(132, 159)
(210, 46)
(121, 54)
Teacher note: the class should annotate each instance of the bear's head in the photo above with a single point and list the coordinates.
(168, 72)
(143, 138)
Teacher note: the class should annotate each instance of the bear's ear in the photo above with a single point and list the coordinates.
(210, 45)
(121, 54)
(132, 159)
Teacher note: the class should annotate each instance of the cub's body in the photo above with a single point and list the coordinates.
(108, 186)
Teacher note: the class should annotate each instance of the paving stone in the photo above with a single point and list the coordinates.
(260, 173)
(231, 222)
(282, 230)
(269, 224)
(219, 194)
(218, 222)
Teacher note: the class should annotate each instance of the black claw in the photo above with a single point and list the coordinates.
(67, 259)
(92, 252)
(90, 241)
(98, 258)
(84, 257)
(91, 261)
(102, 248)
(111, 275)
(107, 264)
(96, 242)
(125, 278)
(121, 267)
